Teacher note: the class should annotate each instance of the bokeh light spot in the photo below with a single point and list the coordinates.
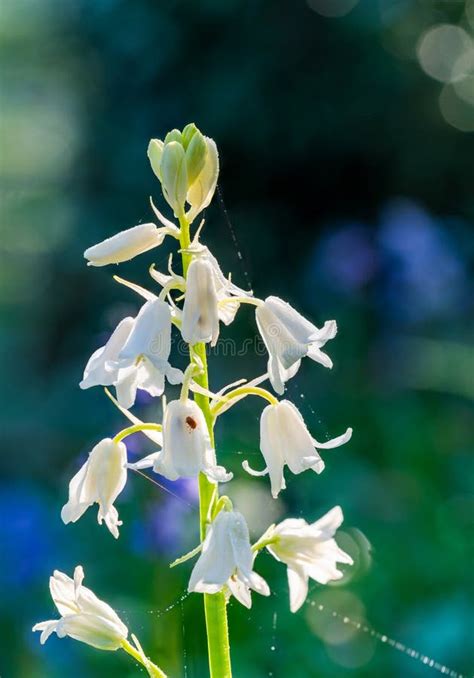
(456, 111)
(332, 8)
(446, 52)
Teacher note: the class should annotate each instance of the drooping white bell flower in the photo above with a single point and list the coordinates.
(288, 337)
(83, 616)
(136, 355)
(128, 244)
(309, 551)
(285, 440)
(206, 290)
(187, 449)
(100, 480)
(227, 560)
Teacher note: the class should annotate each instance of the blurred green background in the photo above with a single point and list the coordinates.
(345, 136)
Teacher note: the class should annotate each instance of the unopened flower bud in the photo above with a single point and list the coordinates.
(174, 135)
(196, 154)
(174, 177)
(187, 134)
(154, 152)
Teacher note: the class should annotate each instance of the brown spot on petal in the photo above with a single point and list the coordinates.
(192, 423)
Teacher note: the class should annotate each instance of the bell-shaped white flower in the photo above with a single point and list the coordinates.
(209, 298)
(285, 440)
(100, 480)
(227, 560)
(83, 616)
(309, 551)
(128, 244)
(136, 355)
(187, 449)
(288, 337)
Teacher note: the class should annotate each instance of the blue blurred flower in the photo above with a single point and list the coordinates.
(27, 543)
(420, 265)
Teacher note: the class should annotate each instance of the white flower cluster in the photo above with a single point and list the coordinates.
(137, 356)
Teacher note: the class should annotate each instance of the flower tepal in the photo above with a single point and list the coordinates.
(227, 560)
(127, 244)
(100, 480)
(288, 337)
(187, 448)
(84, 617)
(136, 355)
(286, 441)
(310, 552)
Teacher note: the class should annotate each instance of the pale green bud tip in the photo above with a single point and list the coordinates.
(187, 134)
(174, 178)
(174, 135)
(155, 152)
(196, 156)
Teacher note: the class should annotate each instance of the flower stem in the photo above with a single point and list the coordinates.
(153, 670)
(214, 603)
(136, 428)
(238, 393)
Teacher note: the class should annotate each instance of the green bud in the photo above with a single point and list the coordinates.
(174, 135)
(187, 134)
(174, 177)
(195, 156)
(154, 152)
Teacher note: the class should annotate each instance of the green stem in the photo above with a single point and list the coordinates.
(214, 603)
(153, 670)
(136, 428)
(243, 391)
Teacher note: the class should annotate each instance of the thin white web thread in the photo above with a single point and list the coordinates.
(362, 627)
(183, 631)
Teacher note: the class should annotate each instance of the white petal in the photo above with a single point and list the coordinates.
(111, 471)
(273, 448)
(200, 310)
(318, 356)
(79, 500)
(240, 591)
(258, 584)
(99, 369)
(126, 386)
(335, 442)
(46, 628)
(246, 466)
(111, 518)
(218, 474)
(145, 462)
(125, 245)
(327, 332)
(151, 333)
(298, 583)
(216, 562)
(88, 628)
(330, 522)
(295, 439)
